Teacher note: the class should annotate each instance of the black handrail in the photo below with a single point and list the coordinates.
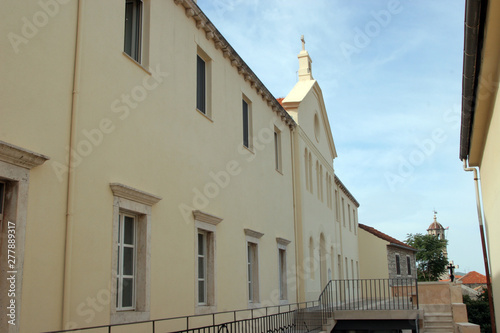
(368, 294)
(279, 318)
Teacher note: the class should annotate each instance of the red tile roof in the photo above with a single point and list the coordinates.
(385, 237)
(473, 278)
(280, 100)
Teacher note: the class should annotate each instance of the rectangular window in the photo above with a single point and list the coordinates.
(125, 275)
(277, 149)
(346, 267)
(349, 213)
(343, 212)
(202, 267)
(247, 123)
(201, 85)
(337, 208)
(354, 221)
(253, 273)
(282, 273)
(398, 265)
(408, 264)
(133, 29)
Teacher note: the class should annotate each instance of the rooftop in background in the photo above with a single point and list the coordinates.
(381, 235)
(473, 277)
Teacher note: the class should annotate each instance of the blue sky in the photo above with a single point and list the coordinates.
(391, 74)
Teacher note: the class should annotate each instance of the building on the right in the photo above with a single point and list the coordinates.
(480, 123)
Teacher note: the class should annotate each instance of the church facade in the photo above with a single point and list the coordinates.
(146, 172)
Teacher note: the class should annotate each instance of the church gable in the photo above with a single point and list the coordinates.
(306, 106)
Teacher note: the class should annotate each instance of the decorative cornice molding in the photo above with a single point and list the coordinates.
(20, 157)
(205, 217)
(282, 241)
(346, 191)
(127, 192)
(203, 23)
(253, 233)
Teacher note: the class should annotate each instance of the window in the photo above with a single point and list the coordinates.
(282, 273)
(252, 238)
(337, 208)
(277, 149)
(343, 212)
(398, 265)
(132, 252)
(252, 272)
(202, 267)
(339, 264)
(354, 220)
(125, 273)
(346, 267)
(205, 231)
(306, 168)
(349, 214)
(310, 174)
(321, 182)
(283, 285)
(247, 124)
(318, 180)
(133, 29)
(201, 85)
(15, 166)
(408, 264)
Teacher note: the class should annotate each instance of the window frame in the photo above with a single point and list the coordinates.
(207, 224)
(252, 264)
(128, 200)
(398, 265)
(203, 256)
(136, 30)
(120, 275)
(278, 164)
(246, 113)
(206, 94)
(282, 269)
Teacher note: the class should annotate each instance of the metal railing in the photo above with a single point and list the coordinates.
(369, 294)
(289, 318)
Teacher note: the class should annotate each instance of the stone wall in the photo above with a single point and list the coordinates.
(392, 251)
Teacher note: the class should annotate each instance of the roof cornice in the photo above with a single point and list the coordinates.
(211, 33)
(346, 191)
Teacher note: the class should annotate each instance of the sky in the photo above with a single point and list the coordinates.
(391, 76)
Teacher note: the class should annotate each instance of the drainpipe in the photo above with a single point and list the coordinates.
(483, 243)
(68, 246)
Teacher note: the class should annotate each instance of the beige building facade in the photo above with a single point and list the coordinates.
(480, 131)
(146, 172)
(384, 257)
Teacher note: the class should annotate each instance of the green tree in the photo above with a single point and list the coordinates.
(478, 311)
(431, 262)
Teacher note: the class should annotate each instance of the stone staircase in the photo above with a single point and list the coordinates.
(438, 319)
